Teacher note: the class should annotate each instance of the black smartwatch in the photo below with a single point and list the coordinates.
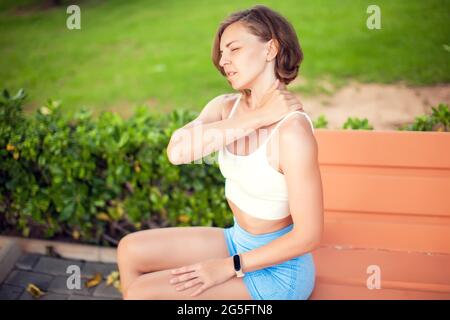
(238, 266)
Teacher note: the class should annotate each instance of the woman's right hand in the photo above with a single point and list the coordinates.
(276, 103)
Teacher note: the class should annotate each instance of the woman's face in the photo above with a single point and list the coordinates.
(243, 53)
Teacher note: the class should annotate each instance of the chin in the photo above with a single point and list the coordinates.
(237, 86)
(234, 85)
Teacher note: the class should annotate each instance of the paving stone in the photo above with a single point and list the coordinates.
(50, 275)
(27, 261)
(21, 278)
(8, 292)
(59, 285)
(47, 296)
(56, 266)
(90, 268)
(102, 290)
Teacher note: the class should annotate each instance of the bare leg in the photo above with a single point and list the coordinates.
(167, 248)
(156, 286)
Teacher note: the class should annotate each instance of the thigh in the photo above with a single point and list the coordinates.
(167, 248)
(156, 286)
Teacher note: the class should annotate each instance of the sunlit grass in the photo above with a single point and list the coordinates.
(158, 52)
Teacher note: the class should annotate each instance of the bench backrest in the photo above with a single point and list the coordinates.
(386, 189)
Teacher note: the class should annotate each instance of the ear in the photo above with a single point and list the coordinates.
(272, 49)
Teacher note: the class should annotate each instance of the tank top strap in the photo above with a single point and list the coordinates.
(284, 118)
(236, 103)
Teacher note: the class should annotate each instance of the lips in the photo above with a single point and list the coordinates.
(231, 74)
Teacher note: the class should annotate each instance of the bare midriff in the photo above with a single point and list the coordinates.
(255, 225)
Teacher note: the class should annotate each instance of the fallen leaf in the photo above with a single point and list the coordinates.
(116, 285)
(113, 276)
(34, 290)
(94, 281)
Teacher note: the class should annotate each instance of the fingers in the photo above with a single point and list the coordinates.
(183, 269)
(296, 106)
(293, 103)
(184, 277)
(275, 86)
(188, 284)
(291, 98)
(282, 86)
(199, 290)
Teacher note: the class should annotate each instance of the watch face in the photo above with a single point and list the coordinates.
(237, 262)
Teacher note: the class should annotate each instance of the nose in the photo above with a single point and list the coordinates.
(223, 60)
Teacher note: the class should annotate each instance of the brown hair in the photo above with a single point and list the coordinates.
(266, 24)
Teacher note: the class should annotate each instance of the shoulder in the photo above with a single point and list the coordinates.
(214, 109)
(296, 136)
(296, 125)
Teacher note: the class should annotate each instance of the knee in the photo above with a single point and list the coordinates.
(125, 247)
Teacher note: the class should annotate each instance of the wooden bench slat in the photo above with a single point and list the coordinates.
(383, 148)
(390, 232)
(343, 274)
(364, 191)
(326, 291)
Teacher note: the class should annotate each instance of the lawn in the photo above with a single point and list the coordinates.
(158, 52)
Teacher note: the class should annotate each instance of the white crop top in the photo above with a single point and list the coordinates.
(251, 183)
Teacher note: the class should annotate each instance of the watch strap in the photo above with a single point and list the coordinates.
(238, 266)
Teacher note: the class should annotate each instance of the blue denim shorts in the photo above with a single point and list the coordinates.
(290, 280)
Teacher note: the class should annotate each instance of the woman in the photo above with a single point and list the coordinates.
(273, 183)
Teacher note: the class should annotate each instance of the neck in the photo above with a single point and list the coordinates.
(258, 91)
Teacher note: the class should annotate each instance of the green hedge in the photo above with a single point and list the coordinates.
(96, 180)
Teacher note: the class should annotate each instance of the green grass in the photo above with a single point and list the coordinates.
(158, 52)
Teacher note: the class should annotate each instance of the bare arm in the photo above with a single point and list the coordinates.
(209, 132)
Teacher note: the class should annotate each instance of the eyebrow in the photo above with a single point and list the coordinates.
(228, 44)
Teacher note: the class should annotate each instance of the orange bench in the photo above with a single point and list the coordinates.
(387, 206)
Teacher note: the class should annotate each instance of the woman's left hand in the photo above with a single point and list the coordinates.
(210, 273)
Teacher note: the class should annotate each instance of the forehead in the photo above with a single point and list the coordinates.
(236, 31)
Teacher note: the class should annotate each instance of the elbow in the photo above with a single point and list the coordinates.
(315, 236)
(311, 244)
(307, 243)
(315, 240)
(314, 245)
(173, 159)
(172, 152)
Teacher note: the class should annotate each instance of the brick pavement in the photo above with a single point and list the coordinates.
(49, 274)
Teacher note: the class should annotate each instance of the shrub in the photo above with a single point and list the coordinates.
(357, 124)
(95, 180)
(321, 122)
(439, 120)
